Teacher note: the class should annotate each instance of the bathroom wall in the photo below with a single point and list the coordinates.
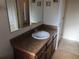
(5, 34)
(61, 14)
(51, 13)
(71, 25)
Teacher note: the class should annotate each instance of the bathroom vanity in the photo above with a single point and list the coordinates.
(26, 47)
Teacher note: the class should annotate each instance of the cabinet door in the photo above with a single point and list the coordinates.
(53, 45)
(42, 53)
(49, 50)
(19, 54)
(42, 56)
(52, 48)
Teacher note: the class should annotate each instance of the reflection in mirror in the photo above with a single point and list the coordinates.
(36, 11)
(12, 15)
(18, 13)
(23, 12)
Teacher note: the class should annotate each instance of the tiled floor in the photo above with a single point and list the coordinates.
(64, 55)
(70, 46)
(67, 50)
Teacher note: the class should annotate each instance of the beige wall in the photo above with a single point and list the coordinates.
(71, 26)
(51, 13)
(5, 34)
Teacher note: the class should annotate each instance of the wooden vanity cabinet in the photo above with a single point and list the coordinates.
(44, 53)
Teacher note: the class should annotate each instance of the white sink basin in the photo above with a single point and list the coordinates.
(41, 35)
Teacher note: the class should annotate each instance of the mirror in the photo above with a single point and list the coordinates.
(22, 13)
(36, 11)
(18, 13)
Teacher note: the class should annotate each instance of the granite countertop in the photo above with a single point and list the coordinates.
(29, 44)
